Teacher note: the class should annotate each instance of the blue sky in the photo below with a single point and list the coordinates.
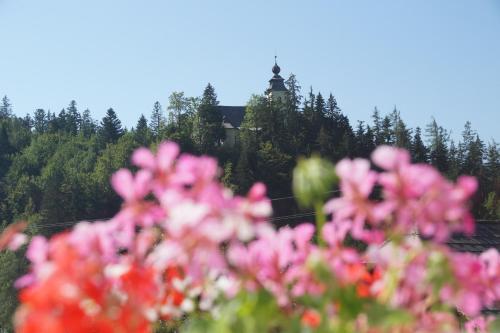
(429, 58)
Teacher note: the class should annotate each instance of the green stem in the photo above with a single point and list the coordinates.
(320, 222)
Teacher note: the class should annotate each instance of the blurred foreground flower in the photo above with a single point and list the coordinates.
(184, 247)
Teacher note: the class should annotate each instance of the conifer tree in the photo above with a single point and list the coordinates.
(324, 143)
(402, 134)
(157, 122)
(387, 133)
(27, 122)
(471, 150)
(377, 127)
(61, 121)
(293, 97)
(5, 108)
(211, 131)
(453, 161)
(73, 119)
(111, 127)
(418, 149)
(142, 134)
(320, 107)
(364, 141)
(52, 126)
(438, 138)
(332, 107)
(492, 164)
(40, 121)
(88, 125)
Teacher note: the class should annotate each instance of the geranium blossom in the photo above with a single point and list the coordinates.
(183, 244)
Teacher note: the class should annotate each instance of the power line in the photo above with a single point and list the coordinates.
(291, 197)
(285, 217)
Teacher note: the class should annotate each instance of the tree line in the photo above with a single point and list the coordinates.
(55, 168)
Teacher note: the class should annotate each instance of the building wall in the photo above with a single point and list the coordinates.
(275, 95)
(232, 137)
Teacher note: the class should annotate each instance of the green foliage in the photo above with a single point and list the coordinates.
(157, 122)
(5, 108)
(55, 169)
(211, 132)
(438, 139)
(142, 133)
(246, 313)
(111, 127)
(13, 265)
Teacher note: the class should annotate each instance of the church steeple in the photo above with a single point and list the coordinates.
(277, 89)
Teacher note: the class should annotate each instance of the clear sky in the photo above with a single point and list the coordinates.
(429, 58)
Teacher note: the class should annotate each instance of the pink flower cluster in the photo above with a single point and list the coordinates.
(182, 243)
(155, 259)
(415, 198)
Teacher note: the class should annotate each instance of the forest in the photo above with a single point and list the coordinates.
(55, 167)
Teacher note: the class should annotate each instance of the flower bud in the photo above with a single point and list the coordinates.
(313, 178)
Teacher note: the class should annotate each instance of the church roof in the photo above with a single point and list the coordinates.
(232, 114)
(486, 235)
(277, 83)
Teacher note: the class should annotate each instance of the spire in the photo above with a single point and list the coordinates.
(276, 68)
(277, 83)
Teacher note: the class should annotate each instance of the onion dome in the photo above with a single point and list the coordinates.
(276, 69)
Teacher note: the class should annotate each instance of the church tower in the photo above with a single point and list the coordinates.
(277, 89)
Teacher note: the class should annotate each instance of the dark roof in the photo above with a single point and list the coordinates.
(232, 114)
(487, 235)
(277, 83)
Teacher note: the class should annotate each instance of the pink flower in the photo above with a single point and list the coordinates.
(478, 325)
(129, 187)
(390, 158)
(12, 238)
(38, 250)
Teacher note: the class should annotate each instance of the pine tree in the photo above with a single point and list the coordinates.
(88, 126)
(73, 118)
(293, 97)
(474, 158)
(453, 161)
(402, 134)
(27, 122)
(364, 141)
(40, 121)
(142, 134)
(5, 108)
(332, 107)
(418, 149)
(309, 103)
(492, 163)
(471, 150)
(438, 139)
(491, 181)
(320, 107)
(211, 131)
(52, 125)
(387, 133)
(157, 122)
(111, 127)
(61, 121)
(377, 127)
(324, 143)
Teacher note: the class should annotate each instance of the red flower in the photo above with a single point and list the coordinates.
(311, 318)
(364, 286)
